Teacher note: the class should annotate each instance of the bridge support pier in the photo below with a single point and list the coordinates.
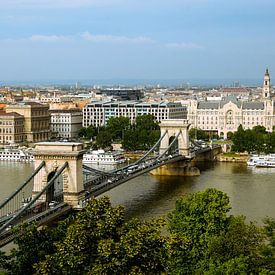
(172, 127)
(180, 168)
(55, 154)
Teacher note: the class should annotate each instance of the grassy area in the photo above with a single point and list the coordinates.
(222, 142)
(231, 155)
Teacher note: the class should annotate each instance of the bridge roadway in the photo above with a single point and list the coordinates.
(125, 175)
(106, 182)
(95, 188)
(42, 218)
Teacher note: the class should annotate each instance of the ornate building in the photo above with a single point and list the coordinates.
(36, 120)
(224, 116)
(11, 128)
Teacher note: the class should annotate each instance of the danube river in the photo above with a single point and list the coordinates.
(251, 191)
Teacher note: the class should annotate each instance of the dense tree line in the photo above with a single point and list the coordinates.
(201, 238)
(141, 135)
(253, 140)
(199, 134)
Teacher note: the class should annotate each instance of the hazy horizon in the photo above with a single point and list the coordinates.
(137, 82)
(130, 39)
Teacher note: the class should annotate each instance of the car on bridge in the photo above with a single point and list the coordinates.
(38, 207)
(53, 204)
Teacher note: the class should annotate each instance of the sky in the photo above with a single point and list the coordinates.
(136, 39)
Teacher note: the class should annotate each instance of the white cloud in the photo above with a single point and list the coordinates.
(49, 38)
(184, 45)
(106, 38)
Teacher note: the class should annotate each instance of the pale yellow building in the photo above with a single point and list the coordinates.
(11, 128)
(36, 120)
(224, 116)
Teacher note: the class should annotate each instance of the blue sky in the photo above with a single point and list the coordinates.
(136, 39)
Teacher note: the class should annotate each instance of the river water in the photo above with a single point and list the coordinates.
(251, 190)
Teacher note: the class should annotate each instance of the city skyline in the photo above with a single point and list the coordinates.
(117, 39)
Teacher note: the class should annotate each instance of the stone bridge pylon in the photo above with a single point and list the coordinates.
(173, 127)
(55, 154)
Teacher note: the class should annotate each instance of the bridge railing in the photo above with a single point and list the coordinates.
(20, 197)
(100, 176)
(33, 206)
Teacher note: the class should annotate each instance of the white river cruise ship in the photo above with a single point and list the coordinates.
(16, 155)
(101, 157)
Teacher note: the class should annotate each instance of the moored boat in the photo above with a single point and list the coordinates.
(258, 160)
(102, 157)
(16, 155)
(266, 164)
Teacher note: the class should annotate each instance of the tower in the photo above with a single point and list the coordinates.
(266, 86)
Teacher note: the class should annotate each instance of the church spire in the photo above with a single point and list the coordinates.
(266, 86)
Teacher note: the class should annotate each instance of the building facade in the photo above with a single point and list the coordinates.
(123, 94)
(36, 120)
(11, 128)
(66, 123)
(225, 116)
(98, 113)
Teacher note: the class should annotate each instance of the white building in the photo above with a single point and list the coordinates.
(66, 123)
(226, 115)
(98, 113)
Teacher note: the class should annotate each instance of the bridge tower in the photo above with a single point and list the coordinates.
(173, 127)
(55, 154)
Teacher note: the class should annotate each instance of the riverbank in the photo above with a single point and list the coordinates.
(232, 157)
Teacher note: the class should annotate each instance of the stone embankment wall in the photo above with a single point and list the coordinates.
(236, 158)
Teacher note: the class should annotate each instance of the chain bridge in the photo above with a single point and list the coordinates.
(61, 183)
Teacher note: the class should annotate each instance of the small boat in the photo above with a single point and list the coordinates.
(101, 157)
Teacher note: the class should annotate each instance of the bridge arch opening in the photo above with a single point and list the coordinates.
(175, 146)
(55, 192)
(50, 191)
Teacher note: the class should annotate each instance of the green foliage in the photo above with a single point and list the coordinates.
(140, 136)
(32, 246)
(97, 240)
(269, 250)
(199, 134)
(206, 240)
(143, 135)
(205, 212)
(256, 139)
(117, 125)
(146, 122)
(104, 139)
(203, 239)
(88, 133)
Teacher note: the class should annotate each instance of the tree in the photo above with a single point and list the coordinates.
(205, 239)
(199, 134)
(88, 133)
(32, 247)
(143, 135)
(104, 139)
(130, 140)
(229, 135)
(239, 140)
(117, 125)
(259, 129)
(269, 250)
(97, 240)
(146, 122)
